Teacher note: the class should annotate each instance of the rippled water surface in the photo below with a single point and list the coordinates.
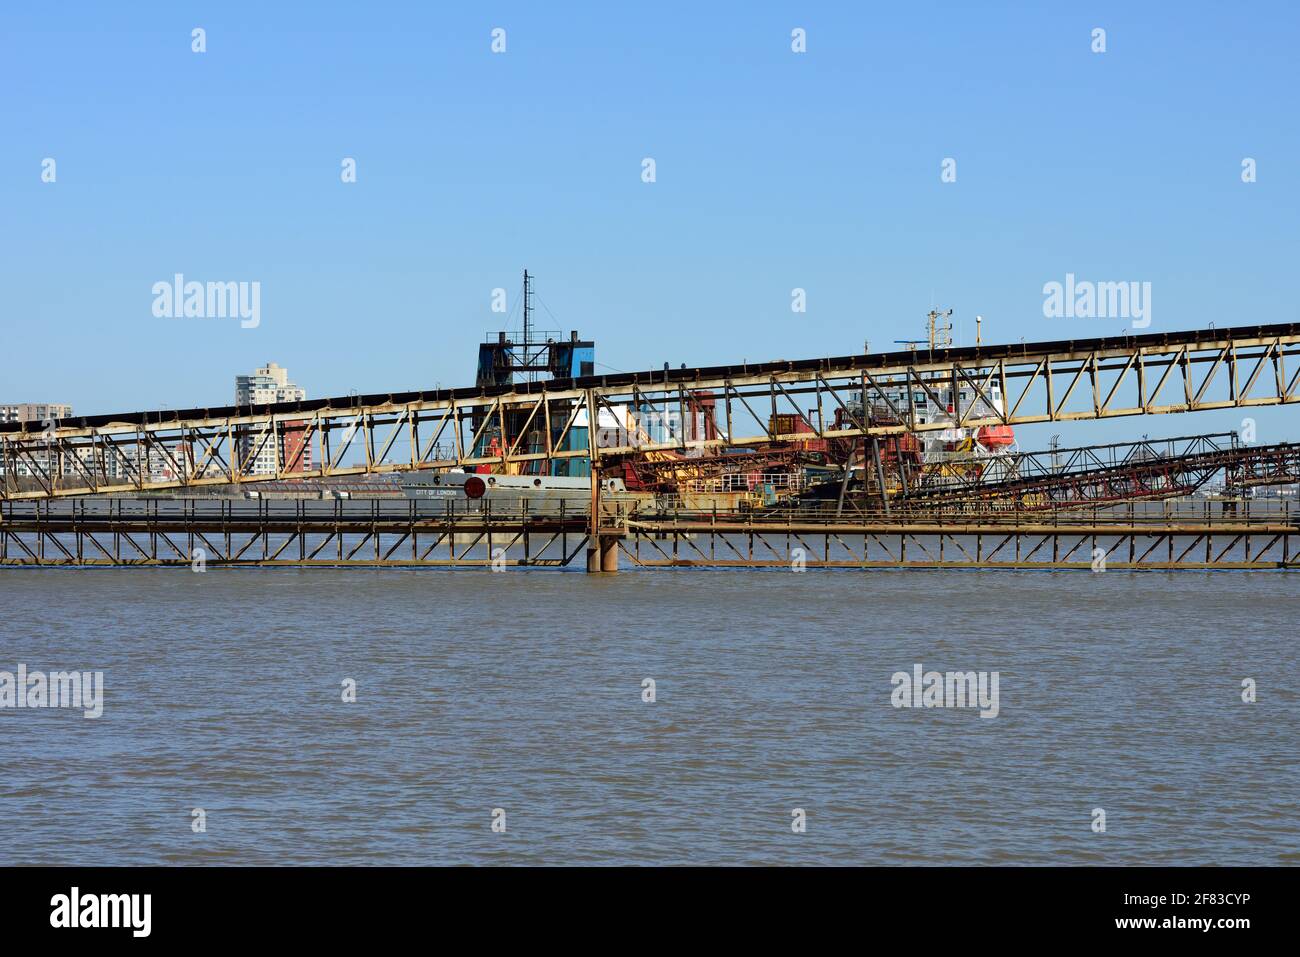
(523, 691)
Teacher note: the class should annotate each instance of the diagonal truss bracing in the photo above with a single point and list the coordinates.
(844, 397)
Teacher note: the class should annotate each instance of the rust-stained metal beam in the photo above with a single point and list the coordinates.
(1037, 381)
(160, 533)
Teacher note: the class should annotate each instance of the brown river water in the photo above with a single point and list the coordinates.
(522, 693)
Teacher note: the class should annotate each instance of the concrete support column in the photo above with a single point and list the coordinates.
(609, 555)
(603, 558)
(602, 552)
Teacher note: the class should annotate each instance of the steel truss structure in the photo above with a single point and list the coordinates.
(1119, 472)
(979, 543)
(1038, 382)
(336, 534)
(189, 532)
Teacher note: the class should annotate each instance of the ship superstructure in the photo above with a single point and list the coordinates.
(532, 355)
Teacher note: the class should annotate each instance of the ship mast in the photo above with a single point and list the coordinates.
(940, 336)
(528, 318)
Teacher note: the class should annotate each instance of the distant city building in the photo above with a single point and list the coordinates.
(34, 411)
(269, 384)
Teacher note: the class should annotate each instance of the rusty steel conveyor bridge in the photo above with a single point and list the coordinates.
(83, 459)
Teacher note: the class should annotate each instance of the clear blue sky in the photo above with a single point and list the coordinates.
(775, 171)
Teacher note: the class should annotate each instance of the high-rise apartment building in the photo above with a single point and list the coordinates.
(268, 384)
